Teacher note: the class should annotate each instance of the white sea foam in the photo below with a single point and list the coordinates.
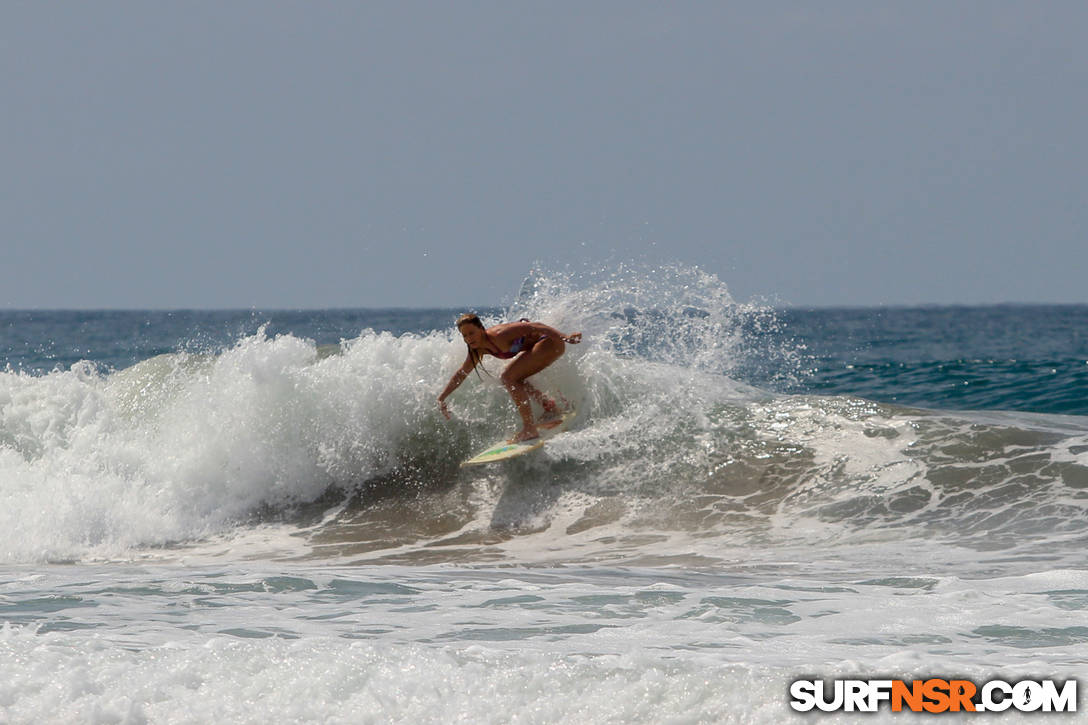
(228, 680)
(326, 644)
(179, 447)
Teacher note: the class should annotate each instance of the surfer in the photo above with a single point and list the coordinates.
(533, 346)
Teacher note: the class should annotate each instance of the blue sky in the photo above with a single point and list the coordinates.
(362, 154)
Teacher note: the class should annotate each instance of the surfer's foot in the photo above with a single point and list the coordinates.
(525, 435)
(554, 410)
(551, 412)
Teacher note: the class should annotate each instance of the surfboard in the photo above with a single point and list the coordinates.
(502, 450)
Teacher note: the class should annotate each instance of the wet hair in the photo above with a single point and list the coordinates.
(470, 318)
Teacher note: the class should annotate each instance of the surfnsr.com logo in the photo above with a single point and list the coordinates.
(934, 695)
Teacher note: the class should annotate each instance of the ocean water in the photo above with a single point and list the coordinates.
(258, 516)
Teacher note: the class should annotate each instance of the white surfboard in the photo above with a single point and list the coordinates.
(502, 450)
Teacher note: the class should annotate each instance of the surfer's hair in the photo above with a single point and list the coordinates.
(471, 318)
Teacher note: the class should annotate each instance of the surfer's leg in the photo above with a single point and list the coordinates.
(521, 402)
(532, 361)
(549, 405)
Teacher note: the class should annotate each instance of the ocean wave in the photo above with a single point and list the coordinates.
(675, 453)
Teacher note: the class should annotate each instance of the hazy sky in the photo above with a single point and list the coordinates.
(362, 154)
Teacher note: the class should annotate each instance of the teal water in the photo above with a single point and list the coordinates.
(1029, 358)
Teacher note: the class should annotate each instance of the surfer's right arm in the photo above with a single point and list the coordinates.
(454, 383)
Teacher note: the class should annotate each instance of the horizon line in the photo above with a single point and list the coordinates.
(436, 308)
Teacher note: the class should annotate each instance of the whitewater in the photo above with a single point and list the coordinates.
(253, 517)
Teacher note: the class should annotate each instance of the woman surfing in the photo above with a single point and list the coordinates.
(532, 346)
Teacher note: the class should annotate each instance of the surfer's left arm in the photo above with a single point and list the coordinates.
(455, 382)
